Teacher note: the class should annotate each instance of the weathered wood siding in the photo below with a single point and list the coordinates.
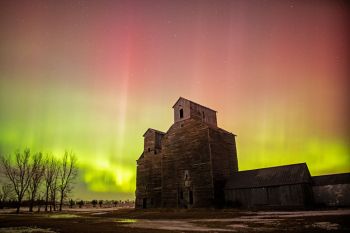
(203, 114)
(337, 195)
(148, 176)
(185, 149)
(152, 141)
(224, 160)
(148, 181)
(296, 195)
(185, 106)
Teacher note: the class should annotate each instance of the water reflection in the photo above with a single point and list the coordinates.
(64, 216)
(126, 220)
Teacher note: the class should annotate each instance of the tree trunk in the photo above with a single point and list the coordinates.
(54, 203)
(61, 201)
(18, 205)
(32, 200)
(31, 206)
(47, 198)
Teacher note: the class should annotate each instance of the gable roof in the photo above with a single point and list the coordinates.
(154, 130)
(272, 176)
(343, 178)
(193, 103)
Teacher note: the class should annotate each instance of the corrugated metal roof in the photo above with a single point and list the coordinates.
(272, 176)
(343, 178)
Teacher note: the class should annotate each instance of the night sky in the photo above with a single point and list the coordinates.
(92, 76)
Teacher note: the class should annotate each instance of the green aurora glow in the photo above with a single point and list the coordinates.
(92, 76)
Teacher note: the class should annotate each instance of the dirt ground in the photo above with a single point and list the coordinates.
(130, 220)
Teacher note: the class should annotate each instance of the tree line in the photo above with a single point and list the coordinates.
(101, 203)
(38, 177)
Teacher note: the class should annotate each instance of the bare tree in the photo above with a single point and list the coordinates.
(67, 173)
(54, 187)
(38, 169)
(19, 173)
(50, 177)
(5, 194)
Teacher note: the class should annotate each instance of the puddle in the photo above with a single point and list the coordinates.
(238, 226)
(126, 220)
(26, 230)
(99, 213)
(64, 216)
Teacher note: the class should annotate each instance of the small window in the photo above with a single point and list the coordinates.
(181, 113)
(203, 116)
(149, 149)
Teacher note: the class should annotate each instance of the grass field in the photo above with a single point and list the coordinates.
(130, 220)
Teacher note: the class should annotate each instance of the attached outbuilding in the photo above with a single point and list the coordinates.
(275, 187)
(332, 190)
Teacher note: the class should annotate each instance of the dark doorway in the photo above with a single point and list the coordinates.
(144, 203)
(181, 113)
(191, 197)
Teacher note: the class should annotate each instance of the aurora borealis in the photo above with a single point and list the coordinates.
(92, 76)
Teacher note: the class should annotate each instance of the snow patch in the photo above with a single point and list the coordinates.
(326, 226)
